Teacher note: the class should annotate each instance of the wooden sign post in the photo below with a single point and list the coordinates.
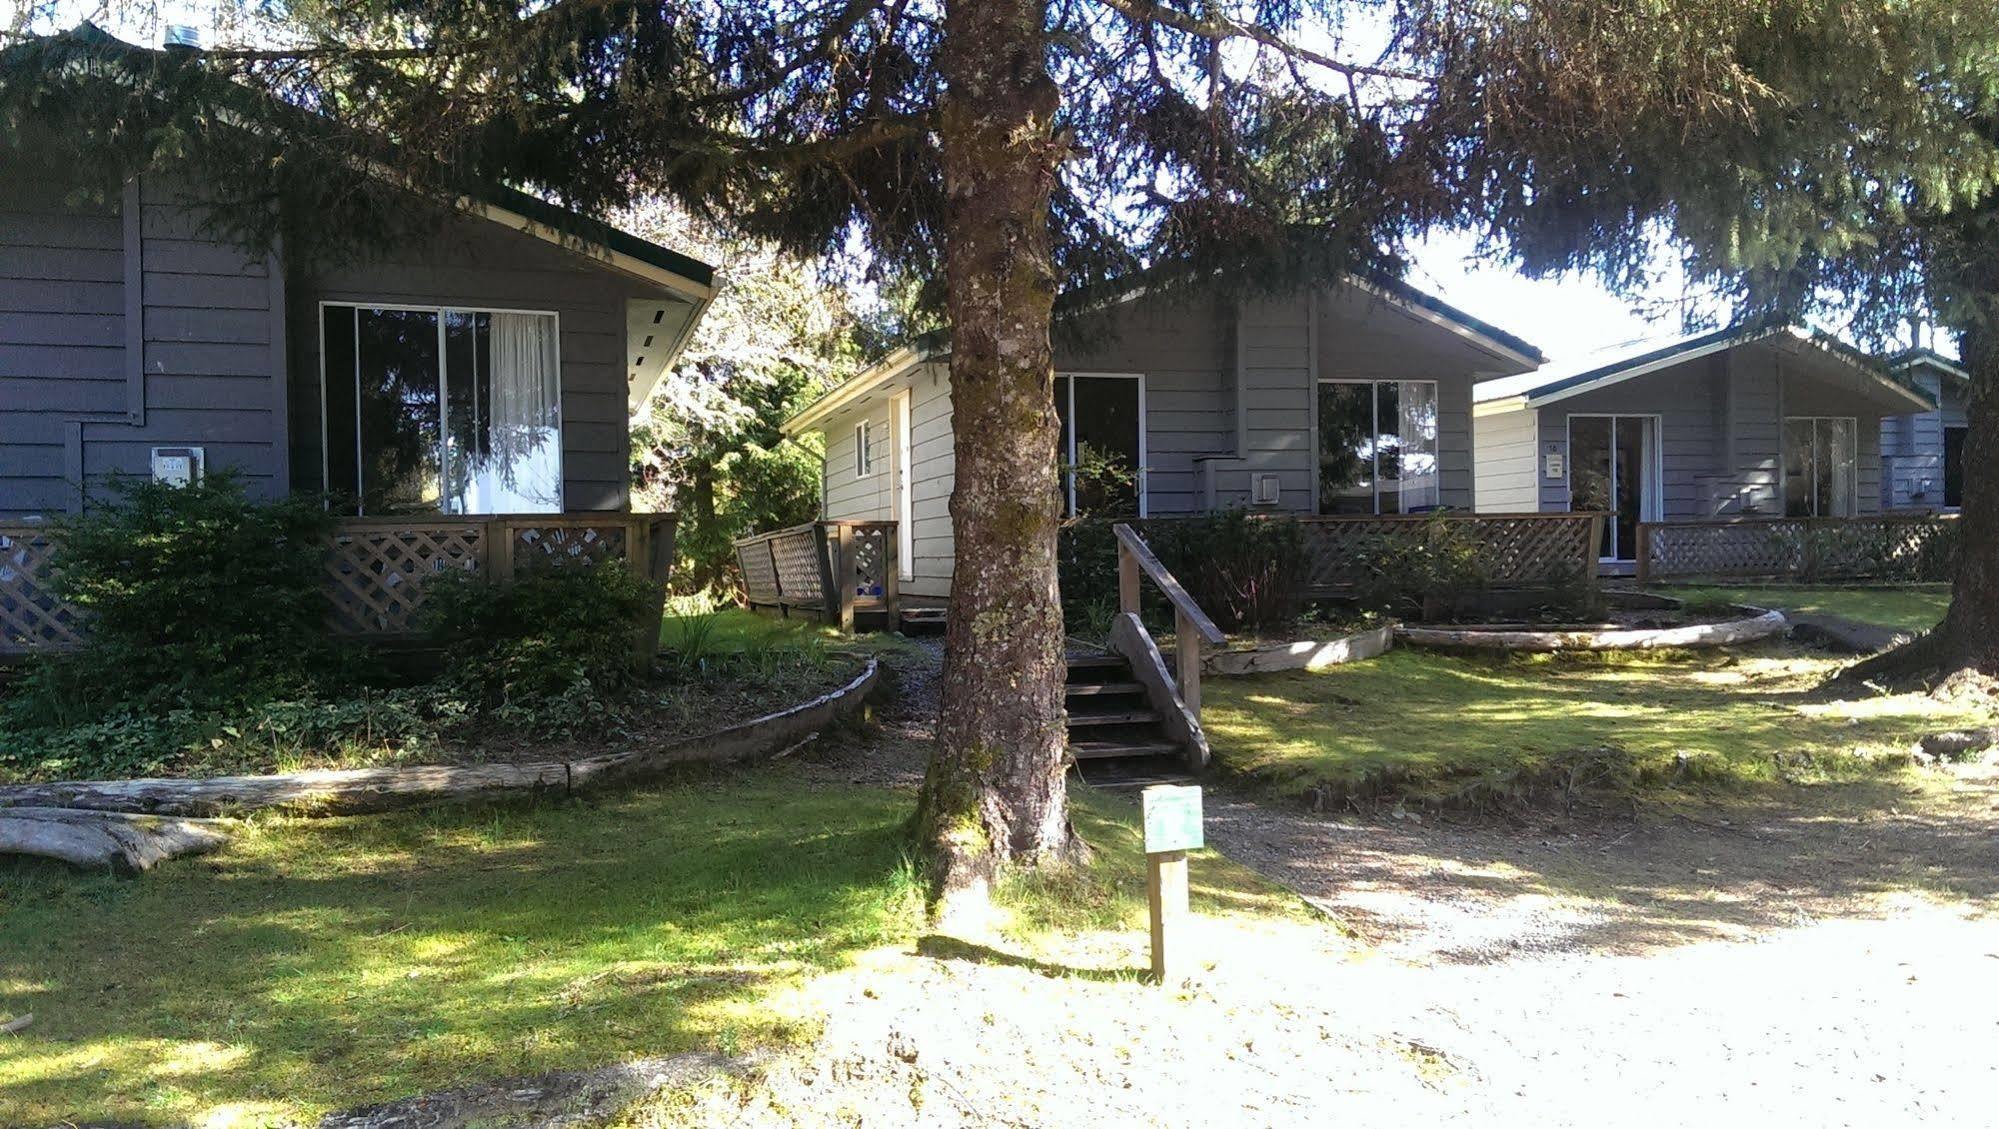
(1172, 828)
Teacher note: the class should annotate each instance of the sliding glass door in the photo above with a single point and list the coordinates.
(1611, 469)
(1821, 474)
(1378, 447)
(448, 410)
(1103, 443)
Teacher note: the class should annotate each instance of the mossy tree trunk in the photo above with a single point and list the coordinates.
(1968, 637)
(996, 793)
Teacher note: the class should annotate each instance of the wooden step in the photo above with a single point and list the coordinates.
(1116, 717)
(923, 615)
(1095, 662)
(1099, 750)
(1095, 689)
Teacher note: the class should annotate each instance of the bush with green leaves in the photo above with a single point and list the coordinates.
(1246, 570)
(196, 597)
(556, 644)
(1430, 572)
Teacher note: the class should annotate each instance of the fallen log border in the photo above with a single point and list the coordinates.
(360, 790)
(1301, 654)
(1758, 623)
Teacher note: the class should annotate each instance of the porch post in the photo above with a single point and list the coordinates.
(1644, 553)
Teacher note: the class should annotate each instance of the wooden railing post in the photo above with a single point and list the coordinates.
(891, 535)
(1187, 661)
(777, 576)
(849, 576)
(1644, 553)
(1127, 579)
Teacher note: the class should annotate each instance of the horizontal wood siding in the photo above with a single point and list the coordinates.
(1721, 431)
(1912, 445)
(480, 264)
(1183, 348)
(1507, 462)
(124, 332)
(1684, 399)
(933, 464)
(62, 331)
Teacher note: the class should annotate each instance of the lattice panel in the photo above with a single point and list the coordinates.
(1516, 550)
(32, 618)
(1898, 548)
(376, 575)
(562, 546)
(759, 574)
(796, 551)
(870, 577)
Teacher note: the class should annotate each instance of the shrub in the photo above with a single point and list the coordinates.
(554, 644)
(1245, 570)
(197, 598)
(1431, 572)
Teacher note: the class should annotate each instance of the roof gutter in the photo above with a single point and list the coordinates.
(856, 386)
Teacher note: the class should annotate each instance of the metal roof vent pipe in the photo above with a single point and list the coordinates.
(184, 36)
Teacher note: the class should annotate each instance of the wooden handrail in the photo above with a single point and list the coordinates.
(1191, 625)
(1132, 547)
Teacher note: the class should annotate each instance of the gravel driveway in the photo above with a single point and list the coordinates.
(1827, 957)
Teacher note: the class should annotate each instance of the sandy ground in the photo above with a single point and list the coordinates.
(1818, 960)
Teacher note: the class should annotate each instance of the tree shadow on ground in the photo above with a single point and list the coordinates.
(1673, 874)
(939, 946)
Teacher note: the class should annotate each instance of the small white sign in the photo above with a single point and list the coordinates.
(177, 466)
(1553, 464)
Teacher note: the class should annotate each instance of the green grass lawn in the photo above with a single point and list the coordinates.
(1914, 607)
(322, 964)
(1442, 728)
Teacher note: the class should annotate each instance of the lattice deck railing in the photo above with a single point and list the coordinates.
(1884, 547)
(796, 567)
(376, 568)
(1515, 550)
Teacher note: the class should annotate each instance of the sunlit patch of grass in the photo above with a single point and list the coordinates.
(320, 964)
(1109, 894)
(1912, 607)
(1427, 726)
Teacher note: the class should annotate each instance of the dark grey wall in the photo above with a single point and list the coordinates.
(124, 327)
(482, 264)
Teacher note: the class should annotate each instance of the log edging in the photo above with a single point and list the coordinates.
(361, 790)
(1302, 654)
(1759, 623)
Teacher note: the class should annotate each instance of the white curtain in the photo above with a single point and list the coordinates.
(1841, 462)
(1416, 426)
(522, 471)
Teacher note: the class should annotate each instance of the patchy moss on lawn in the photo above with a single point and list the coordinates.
(316, 965)
(1913, 607)
(322, 964)
(1471, 731)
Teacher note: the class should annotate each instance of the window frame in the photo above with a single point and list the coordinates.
(443, 387)
(1374, 408)
(1067, 455)
(864, 454)
(1783, 461)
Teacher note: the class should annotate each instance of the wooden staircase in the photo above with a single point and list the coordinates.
(1109, 713)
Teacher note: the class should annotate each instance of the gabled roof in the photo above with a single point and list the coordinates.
(937, 344)
(1921, 357)
(1627, 362)
(690, 280)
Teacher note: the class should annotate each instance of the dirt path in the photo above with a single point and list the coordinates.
(1828, 958)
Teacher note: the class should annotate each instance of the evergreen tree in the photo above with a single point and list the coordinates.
(1003, 150)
